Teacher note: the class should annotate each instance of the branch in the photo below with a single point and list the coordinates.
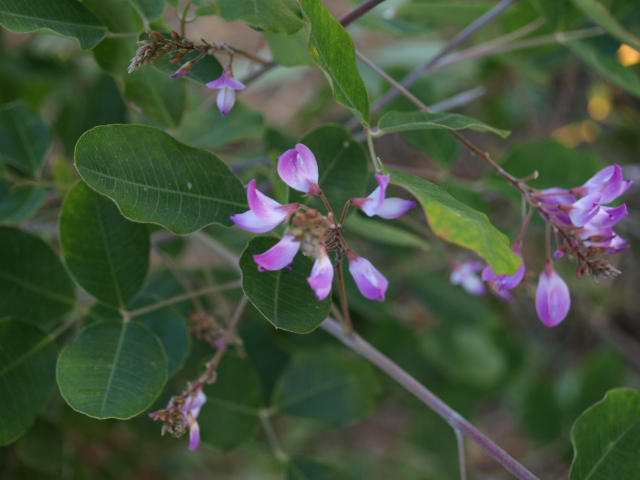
(357, 12)
(453, 418)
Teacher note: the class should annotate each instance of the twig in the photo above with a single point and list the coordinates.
(453, 418)
(357, 12)
(278, 452)
(461, 456)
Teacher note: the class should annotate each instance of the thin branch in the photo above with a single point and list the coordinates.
(278, 452)
(461, 456)
(357, 12)
(453, 418)
(224, 343)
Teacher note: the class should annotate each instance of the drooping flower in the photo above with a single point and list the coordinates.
(371, 283)
(191, 411)
(608, 181)
(279, 256)
(552, 297)
(378, 204)
(502, 283)
(227, 94)
(183, 70)
(298, 169)
(321, 275)
(466, 274)
(265, 213)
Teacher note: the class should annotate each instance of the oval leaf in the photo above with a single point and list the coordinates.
(284, 297)
(19, 202)
(27, 375)
(25, 138)
(403, 121)
(154, 178)
(67, 18)
(332, 49)
(232, 411)
(606, 438)
(112, 370)
(157, 95)
(107, 254)
(457, 223)
(33, 282)
(275, 16)
(327, 386)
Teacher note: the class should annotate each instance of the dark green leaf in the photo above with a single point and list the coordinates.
(457, 223)
(299, 468)
(112, 370)
(598, 13)
(120, 16)
(24, 138)
(559, 14)
(150, 9)
(67, 18)
(154, 178)
(438, 144)
(33, 282)
(332, 48)
(19, 202)
(327, 386)
(275, 16)
(606, 438)
(160, 97)
(541, 411)
(402, 121)
(205, 71)
(27, 375)
(114, 55)
(107, 254)
(231, 413)
(284, 297)
(42, 447)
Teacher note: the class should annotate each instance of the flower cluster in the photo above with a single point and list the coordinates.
(182, 412)
(582, 225)
(313, 233)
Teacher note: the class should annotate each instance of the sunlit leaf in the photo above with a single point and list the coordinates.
(418, 120)
(154, 178)
(112, 370)
(27, 376)
(457, 223)
(275, 16)
(284, 297)
(107, 254)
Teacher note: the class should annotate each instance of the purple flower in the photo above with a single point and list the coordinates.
(227, 94)
(583, 210)
(552, 297)
(265, 213)
(465, 274)
(505, 282)
(298, 169)
(279, 256)
(183, 70)
(607, 217)
(607, 181)
(321, 275)
(378, 204)
(190, 410)
(371, 283)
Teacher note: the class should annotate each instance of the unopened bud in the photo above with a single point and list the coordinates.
(175, 35)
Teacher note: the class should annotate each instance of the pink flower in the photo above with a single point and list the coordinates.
(607, 181)
(505, 282)
(371, 283)
(183, 70)
(265, 213)
(227, 94)
(298, 169)
(583, 210)
(378, 204)
(321, 275)
(552, 297)
(279, 256)
(465, 274)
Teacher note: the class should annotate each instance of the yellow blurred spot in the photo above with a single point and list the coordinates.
(599, 107)
(590, 131)
(628, 55)
(569, 135)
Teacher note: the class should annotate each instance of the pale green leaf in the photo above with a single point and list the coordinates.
(158, 96)
(418, 120)
(289, 50)
(275, 16)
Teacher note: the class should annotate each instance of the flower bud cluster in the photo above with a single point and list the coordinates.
(311, 231)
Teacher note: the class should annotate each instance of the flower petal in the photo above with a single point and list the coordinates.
(298, 168)
(194, 433)
(373, 202)
(321, 276)
(582, 211)
(607, 217)
(552, 297)
(226, 100)
(265, 208)
(395, 208)
(465, 274)
(371, 283)
(250, 222)
(279, 256)
(226, 81)
(505, 282)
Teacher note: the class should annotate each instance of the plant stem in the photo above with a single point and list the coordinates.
(184, 296)
(453, 418)
(377, 165)
(357, 12)
(461, 456)
(344, 304)
(278, 452)
(183, 18)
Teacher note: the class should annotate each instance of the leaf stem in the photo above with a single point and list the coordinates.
(453, 418)
(344, 303)
(377, 164)
(278, 452)
(183, 18)
(461, 456)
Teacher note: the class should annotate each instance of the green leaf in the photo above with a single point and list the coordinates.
(606, 438)
(114, 55)
(332, 49)
(275, 16)
(107, 254)
(327, 386)
(27, 376)
(597, 12)
(402, 121)
(42, 447)
(150, 9)
(120, 16)
(284, 297)
(206, 70)
(33, 282)
(384, 233)
(438, 144)
(559, 14)
(154, 178)
(232, 411)
(67, 18)
(19, 202)
(342, 163)
(606, 64)
(457, 223)
(112, 370)
(300, 468)
(160, 97)
(25, 138)
(289, 50)
(206, 127)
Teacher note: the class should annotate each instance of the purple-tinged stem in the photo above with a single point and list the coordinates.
(357, 12)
